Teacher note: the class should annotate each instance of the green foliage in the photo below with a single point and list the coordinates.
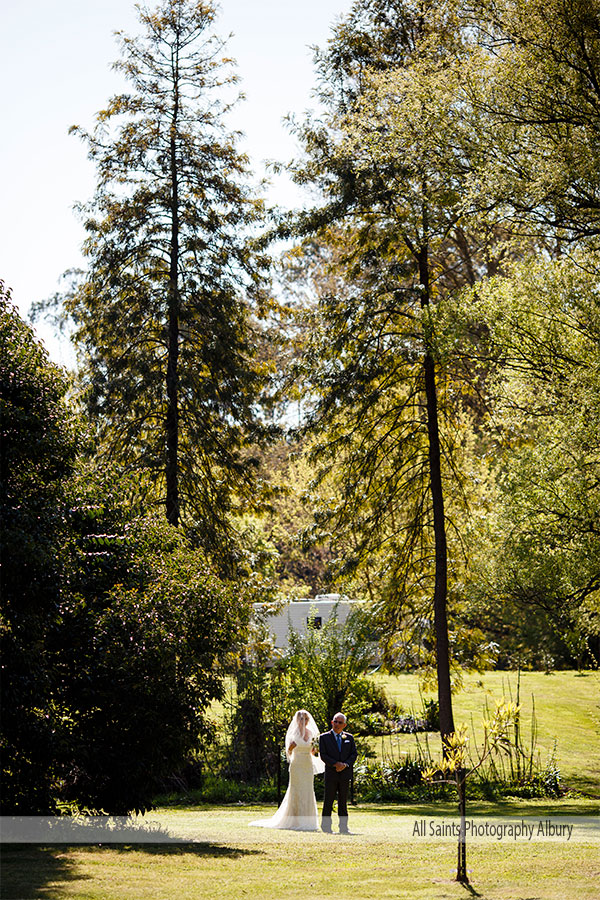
(533, 542)
(302, 565)
(271, 545)
(323, 671)
(218, 789)
(380, 717)
(143, 651)
(39, 442)
(38, 447)
(164, 314)
(432, 714)
(458, 137)
(389, 780)
(396, 234)
(115, 631)
(326, 665)
(532, 88)
(506, 764)
(391, 203)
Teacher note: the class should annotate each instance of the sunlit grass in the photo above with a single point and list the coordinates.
(228, 859)
(567, 713)
(234, 860)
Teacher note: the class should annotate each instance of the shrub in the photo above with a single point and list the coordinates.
(142, 657)
(389, 779)
(114, 628)
(39, 435)
(323, 671)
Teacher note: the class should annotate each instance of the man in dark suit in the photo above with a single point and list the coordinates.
(338, 751)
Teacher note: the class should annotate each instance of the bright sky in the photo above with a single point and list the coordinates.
(55, 71)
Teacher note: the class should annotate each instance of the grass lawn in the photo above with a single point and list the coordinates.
(567, 712)
(222, 857)
(378, 860)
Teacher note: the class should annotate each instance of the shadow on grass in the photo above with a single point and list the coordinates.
(588, 785)
(470, 891)
(200, 848)
(29, 872)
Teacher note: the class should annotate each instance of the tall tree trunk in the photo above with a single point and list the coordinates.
(440, 593)
(172, 421)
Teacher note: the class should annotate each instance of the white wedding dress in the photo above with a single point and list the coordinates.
(298, 810)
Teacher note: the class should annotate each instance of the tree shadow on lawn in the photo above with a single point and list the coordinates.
(28, 870)
(588, 785)
(195, 848)
(470, 891)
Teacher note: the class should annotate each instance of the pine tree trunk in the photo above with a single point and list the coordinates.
(172, 421)
(440, 593)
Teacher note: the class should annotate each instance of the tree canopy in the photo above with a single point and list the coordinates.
(436, 318)
(116, 633)
(166, 313)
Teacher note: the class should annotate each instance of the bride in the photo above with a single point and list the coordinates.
(299, 807)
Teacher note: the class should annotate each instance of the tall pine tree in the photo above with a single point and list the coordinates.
(166, 314)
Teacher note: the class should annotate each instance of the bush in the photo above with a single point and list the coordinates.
(38, 452)
(392, 719)
(516, 768)
(369, 696)
(534, 781)
(370, 723)
(390, 780)
(323, 671)
(143, 659)
(115, 630)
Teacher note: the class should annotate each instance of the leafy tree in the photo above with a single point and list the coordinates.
(326, 664)
(390, 161)
(532, 87)
(299, 566)
(534, 84)
(115, 632)
(164, 315)
(534, 581)
(38, 450)
(443, 123)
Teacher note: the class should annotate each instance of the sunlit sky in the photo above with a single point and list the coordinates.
(55, 69)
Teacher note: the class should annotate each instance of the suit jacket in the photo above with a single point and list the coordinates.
(328, 749)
